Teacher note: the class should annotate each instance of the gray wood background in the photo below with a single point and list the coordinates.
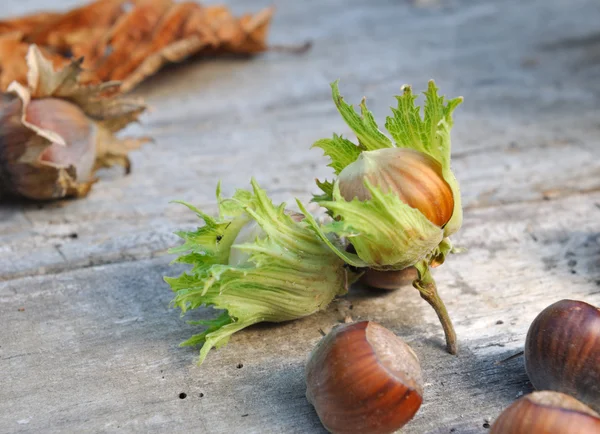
(88, 341)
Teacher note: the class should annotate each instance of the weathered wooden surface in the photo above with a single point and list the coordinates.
(88, 341)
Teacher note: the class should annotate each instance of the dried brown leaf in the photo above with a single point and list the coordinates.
(128, 45)
(78, 25)
(13, 65)
(168, 30)
(209, 30)
(131, 30)
(27, 24)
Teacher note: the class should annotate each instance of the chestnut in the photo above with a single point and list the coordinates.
(562, 351)
(547, 413)
(362, 378)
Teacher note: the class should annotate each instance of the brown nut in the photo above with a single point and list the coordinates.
(362, 378)
(547, 413)
(562, 351)
(389, 279)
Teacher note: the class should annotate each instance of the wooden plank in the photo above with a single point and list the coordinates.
(96, 349)
(511, 142)
(96, 337)
(141, 222)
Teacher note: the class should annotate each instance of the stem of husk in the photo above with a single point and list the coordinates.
(428, 290)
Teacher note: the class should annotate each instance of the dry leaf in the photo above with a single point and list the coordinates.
(55, 132)
(128, 40)
(77, 26)
(123, 40)
(25, 25)
(13, 65)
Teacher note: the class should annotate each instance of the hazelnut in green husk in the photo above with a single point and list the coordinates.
(396, 202)
(256, 262)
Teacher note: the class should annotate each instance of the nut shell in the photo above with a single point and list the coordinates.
(71, 123)
(562, 351)
(362, 378)
(389, 280)
(547, 413)
(415, 177)
(55, 132)
(31, 167)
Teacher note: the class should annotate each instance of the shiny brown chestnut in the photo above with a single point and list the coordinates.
(562, 351)
(362, 378)
(547, 413)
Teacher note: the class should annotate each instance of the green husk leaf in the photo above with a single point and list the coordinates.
(233, 207)
(364, 126)
(441, 252)
(430, 134)
(209, 244)
(455, 221)
(386, 233)
(341, 151)
(347, 257)
(326, 195)
(290, 273)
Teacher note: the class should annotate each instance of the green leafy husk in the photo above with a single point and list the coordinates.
(377, 227)
(290, 272)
